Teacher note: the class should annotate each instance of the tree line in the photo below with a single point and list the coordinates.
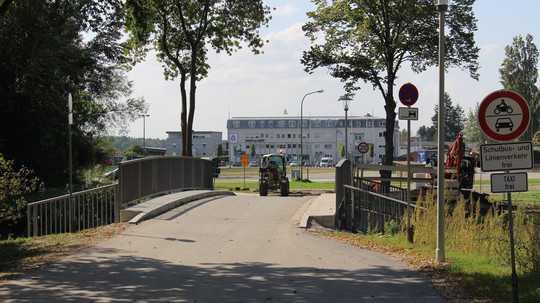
(519, 73)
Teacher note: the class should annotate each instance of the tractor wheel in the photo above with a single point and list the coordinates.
(285, 188)
(263, 189)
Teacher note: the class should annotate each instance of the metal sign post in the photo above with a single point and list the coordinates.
(408, 95)
(503, 116)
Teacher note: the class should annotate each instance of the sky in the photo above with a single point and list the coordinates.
(272, 83)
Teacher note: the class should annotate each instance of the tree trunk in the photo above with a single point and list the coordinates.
(390, 108)
(183, 116)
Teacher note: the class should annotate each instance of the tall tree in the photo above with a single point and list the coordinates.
(43, 57)
(183, 31)
(472, 132)
(370, 40)
(454, 119)
(519, 73)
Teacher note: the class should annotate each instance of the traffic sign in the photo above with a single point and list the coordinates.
(503, 115)
(408, 94)
(408, 113)
(509, 182)
(244, 160)
(363, 147)
(507, 156)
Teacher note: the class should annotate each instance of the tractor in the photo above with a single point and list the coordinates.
(273, 175)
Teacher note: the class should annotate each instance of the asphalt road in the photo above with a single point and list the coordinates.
(241, 248)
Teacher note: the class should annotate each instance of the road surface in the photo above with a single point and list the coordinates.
(241, 248)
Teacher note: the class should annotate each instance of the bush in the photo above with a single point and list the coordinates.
(15, 188)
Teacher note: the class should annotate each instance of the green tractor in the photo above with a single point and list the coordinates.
(273, 175)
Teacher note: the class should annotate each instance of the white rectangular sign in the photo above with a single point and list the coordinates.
(408, 113)
(509, 182)
(506, 156)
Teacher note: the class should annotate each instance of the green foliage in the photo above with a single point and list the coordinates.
(252, 150)
(370, 40)
(219, 150)
(519, 73)
(391, 228)
(467, 231)
(135, 151)
(44, 57)
(454, 120)
(15, 188)
(473, 133)
(181, 32)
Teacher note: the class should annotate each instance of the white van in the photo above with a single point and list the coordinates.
(327, 162)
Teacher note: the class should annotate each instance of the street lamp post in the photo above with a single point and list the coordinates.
(442, 6)
(346, 101)
(301, 133)
(144, 129)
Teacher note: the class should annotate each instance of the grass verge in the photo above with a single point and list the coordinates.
(469, 276)
(292, 185)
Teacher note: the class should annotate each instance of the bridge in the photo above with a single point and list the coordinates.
(223, 248)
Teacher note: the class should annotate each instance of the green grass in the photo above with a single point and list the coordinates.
(481, 276)
(292, 185)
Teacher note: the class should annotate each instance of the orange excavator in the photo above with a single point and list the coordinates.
(465, 164)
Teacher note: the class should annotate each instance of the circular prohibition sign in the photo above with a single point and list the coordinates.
(503, 115)
(408, 94)
(363, 147)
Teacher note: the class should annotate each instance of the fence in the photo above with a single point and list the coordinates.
(363, 211)
(149, 177)
(138, 179)
(361, 205)
(89, 208)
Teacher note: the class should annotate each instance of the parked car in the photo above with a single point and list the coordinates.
(253, 164)
(294, 164)
(237, 163)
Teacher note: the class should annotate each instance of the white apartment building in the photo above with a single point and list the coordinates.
(323, 136)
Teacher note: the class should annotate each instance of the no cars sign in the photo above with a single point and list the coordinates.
(503, 115)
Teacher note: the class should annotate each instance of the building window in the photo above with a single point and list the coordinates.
(236, 124)
(381, 134)
(261, 123)
(369, 123)
(328, 146)
(289, 136)
(317, 123)
(251, 124)
(281, 123)
(382, 123)
(270, 124)
(277, 136)
(305, 123)
(292, 123)
(328, 123)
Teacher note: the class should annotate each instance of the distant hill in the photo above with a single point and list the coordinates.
(123, 142)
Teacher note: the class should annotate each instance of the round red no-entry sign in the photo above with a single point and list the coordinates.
(408, 94)
(503, 115)
(363, 147)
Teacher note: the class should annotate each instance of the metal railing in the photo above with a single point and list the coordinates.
(88, 209)
(149, 177)
(138, 180)
(362, 210)
(375, 186)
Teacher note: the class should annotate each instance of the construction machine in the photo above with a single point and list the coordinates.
(273, 175)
